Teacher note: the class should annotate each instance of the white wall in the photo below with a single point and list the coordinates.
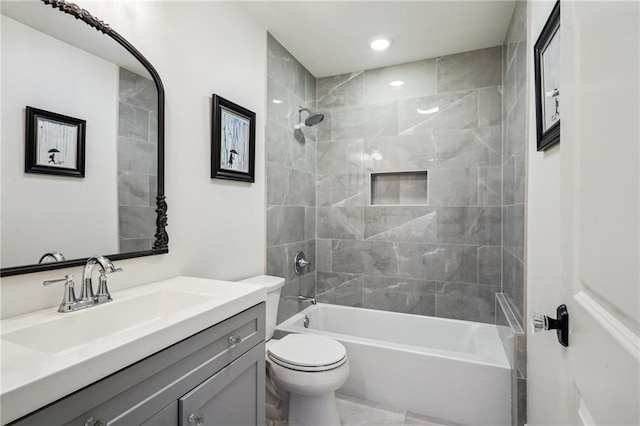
(216, 228)
(546, 404)
(41, 212)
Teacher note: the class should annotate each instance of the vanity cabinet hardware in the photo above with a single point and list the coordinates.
(234, 340)
(95, 422)
(197, 419)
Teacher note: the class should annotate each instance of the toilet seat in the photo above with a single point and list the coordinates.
(307, 352)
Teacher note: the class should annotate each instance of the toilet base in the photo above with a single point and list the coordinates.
(313, 410)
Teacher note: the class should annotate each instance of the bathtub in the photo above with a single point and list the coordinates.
(447, 369)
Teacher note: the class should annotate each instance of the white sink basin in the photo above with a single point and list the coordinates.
(46, 355)
(67, 331)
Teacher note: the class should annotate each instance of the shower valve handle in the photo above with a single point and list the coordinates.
(300, 262)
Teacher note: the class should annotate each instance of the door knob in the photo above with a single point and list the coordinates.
(542, 322)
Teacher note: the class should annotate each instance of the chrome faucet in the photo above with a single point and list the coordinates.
(87, 298)
(303, 299)
(106, 267)
(52, 257)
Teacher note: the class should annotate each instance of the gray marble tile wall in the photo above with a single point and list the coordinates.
(514, 157)
(137, 161)
(513, 188)
(291, 175)
(441, 256)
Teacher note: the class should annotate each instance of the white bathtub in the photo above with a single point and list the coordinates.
(448, 369)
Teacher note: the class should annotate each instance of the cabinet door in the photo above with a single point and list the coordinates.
(235, 396)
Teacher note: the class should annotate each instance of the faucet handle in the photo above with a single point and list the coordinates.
(103, 294)
(69, 298)
(66, 279)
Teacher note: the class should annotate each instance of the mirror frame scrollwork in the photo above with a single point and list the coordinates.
(161, 243)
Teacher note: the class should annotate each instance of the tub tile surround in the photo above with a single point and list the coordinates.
(291, 175)
(460, 118)
(514, 111)
(513, 188)
(392, 223)
(441, 258)
(479, 68)
(339, 288)
(457, 110)
(407, 295)
(137, 161)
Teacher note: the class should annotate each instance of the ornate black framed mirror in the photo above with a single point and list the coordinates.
(59, 58)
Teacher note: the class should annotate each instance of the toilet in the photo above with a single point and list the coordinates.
(306, 368)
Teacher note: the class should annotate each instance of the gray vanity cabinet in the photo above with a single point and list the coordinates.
(215, 377)
(229, 397)
(168, 416)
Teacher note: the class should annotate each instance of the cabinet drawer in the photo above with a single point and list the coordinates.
(138, 392)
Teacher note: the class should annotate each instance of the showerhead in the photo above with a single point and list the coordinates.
(313, 118)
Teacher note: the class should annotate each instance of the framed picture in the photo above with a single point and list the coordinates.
(233, 141)
(547, 75)
(55, 143)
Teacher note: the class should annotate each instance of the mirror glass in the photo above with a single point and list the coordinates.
(56, 63)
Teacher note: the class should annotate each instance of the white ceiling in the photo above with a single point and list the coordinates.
(70, 30)
(331, 37)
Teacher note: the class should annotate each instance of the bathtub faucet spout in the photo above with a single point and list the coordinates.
(302, 299)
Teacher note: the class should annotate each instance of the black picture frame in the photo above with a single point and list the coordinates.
(54, 143)
(233, 141)
(547, 79)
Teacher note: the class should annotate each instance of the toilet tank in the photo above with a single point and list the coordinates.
(274, 286)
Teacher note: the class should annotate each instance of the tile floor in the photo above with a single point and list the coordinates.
(356, 412)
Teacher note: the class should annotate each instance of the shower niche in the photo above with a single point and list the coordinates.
(399, 188)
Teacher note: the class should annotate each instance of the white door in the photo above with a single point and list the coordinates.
(583, 222)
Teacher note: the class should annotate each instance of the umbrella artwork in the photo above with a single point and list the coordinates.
(233, 141)
(55, 143)
(52, 156)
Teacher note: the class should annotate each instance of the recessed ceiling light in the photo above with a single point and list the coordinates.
(396, 83)
(427, 111)
(379, 43)
(276, 101)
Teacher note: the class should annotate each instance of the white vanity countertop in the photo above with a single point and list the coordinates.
(47, 355)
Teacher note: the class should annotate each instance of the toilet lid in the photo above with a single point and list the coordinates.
(307, 350)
